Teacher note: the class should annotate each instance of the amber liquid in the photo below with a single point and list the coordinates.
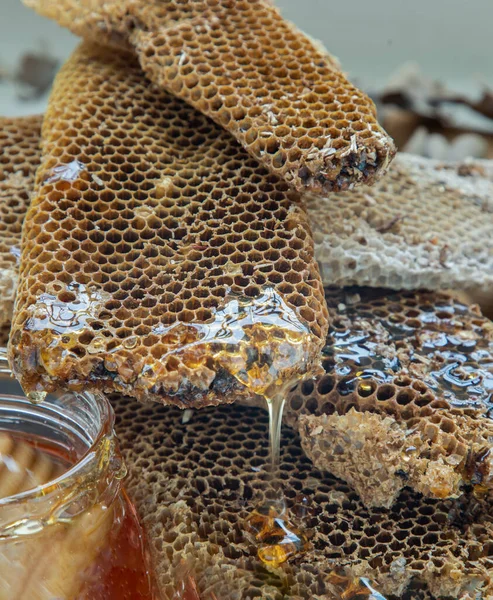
(275, 407)
(264, 345)
(97, 555)
(271, 525)
(348, 588)
(277, 536)
(270, 352)
(121, 571)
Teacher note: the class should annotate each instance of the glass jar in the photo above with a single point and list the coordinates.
(67, 528)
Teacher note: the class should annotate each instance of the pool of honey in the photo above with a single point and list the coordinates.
(97, 555)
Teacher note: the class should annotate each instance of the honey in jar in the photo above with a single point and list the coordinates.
(67, 528)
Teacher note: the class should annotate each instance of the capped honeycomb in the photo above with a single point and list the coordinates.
(406, 398)
(425, 224)
(159, 259)
(19, 158)
(196, 482)
(255, 74)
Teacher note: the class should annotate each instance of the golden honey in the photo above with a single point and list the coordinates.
(277, 537)
(263, 344)
(353, 588)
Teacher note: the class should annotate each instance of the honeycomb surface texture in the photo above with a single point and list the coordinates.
(159, 259)
(280, 94)
(19, 158)
(195, 483)
(425, 224)
(340, 251)
(406, 398)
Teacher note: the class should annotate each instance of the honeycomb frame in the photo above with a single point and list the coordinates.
(156, 253)
(281, 95)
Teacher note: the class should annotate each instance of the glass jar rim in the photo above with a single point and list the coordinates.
(81, 462)
(95, 475)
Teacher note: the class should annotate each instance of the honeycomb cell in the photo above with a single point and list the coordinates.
(277, 91)
(426, 224)
(196, 516)
(19, 158)
(152, 289)
(406, 399)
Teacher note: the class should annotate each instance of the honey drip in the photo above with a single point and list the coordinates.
(36, 397)
(270, 525)
(275, 407)
(277, 538)
(261, 341)
(264, 345)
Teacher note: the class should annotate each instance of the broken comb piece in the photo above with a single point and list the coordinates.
(426, 224)
(406, 399)
(159, 259)
(282, 96)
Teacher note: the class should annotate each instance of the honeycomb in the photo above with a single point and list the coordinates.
(425, 224)
(406, 398)
(339, 263)
(159, 259)
(196, 482)
(280, 94)
(19, 157)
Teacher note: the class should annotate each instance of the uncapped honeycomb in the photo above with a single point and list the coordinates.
(19, 158)
(237, 61)
(332, 222)
(406, 398)
(425, 224)
(159, 259)
(195, 482)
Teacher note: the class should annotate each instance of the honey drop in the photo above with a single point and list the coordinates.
(279, 539)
